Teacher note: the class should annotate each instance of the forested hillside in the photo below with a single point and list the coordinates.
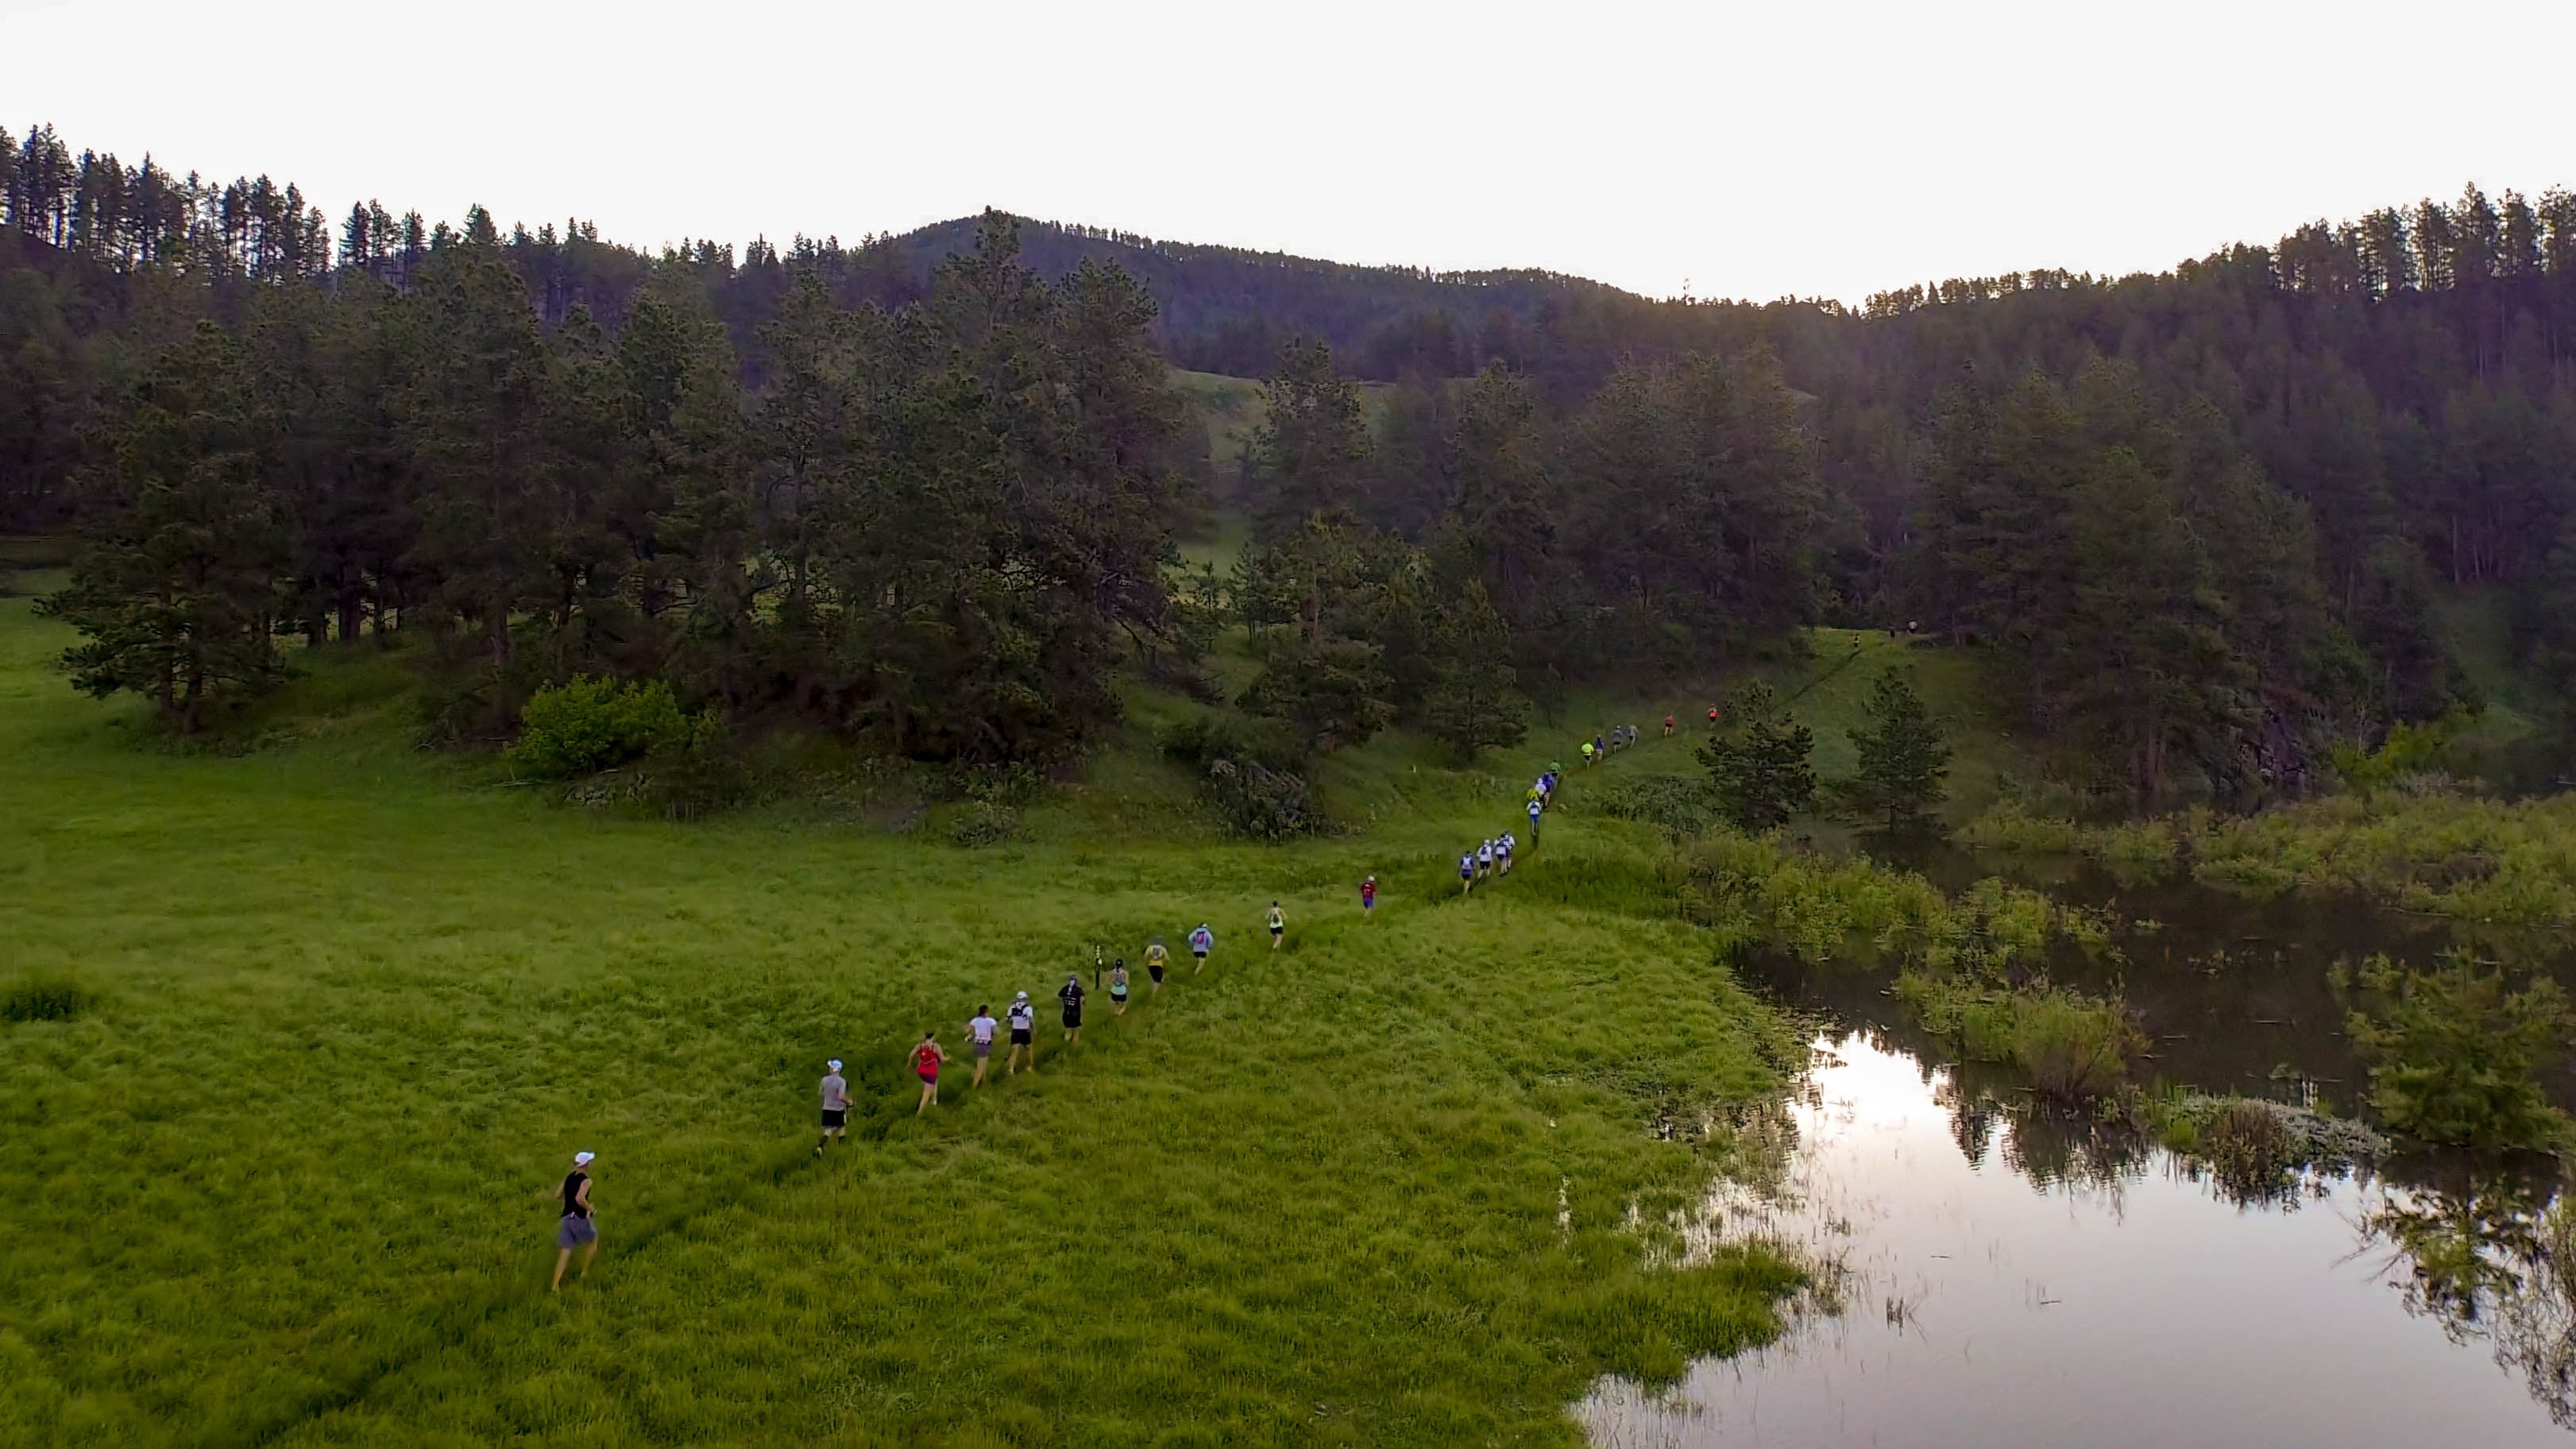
(924, 489)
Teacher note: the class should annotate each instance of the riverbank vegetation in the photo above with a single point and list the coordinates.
(2432, 848)
(2457, 1053)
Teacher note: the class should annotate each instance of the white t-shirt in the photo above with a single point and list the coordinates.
(1023, 1016)
(1484, 854)
(982, 1029)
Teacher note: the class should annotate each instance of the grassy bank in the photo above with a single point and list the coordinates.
(2473, 857)
(285, 1177)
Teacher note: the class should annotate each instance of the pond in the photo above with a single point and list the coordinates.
(2000, 1274)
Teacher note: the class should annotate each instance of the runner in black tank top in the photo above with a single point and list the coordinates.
(576, 1228)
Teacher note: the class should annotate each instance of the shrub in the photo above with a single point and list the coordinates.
(985, 823)
(1678, 805)
(2456, 1055)
(2071, 1046)
(2008, 826)
(1249, 771)
(46, 998)
(589, 724)
(1261, 803)
(696, 771)
(2074, 1047)
(2252, 1146)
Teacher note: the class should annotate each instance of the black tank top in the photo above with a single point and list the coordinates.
(574, 1207)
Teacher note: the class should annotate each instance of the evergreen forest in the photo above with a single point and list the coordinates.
(929, 492)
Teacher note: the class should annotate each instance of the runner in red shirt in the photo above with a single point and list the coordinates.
(925, 1063)
(1368, 896)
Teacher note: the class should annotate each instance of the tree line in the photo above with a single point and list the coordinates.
(936, 528)
(2203, 519)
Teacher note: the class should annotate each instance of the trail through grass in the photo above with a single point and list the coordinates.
(288, 1177)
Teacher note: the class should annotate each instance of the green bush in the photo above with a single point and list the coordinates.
(1251, 772)
(986, 823)
(1677, 804)
(588, 724)
(2074, 1047)
(2456, 1054)
(695, 770)
(45, 998)
(2071, 1046)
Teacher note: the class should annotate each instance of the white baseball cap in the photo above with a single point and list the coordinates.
(834, 1064)
(582, 1159)
(1024, 996)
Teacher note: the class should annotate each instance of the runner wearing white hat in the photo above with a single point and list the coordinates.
(1024, 1023)
(836, 1103)
(577, 1228)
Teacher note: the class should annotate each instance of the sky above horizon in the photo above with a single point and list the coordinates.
(1829, 148)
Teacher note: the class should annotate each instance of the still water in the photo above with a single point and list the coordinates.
(1996, 1275)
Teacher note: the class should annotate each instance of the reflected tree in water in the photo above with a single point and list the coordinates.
(2488, 1249)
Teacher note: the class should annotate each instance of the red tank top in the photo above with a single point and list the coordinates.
(926, 1060)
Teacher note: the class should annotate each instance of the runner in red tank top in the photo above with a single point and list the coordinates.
(925, 1062)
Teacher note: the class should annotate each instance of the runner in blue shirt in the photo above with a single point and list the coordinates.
(1533, 814)
(1466, 873)
(1202, 941)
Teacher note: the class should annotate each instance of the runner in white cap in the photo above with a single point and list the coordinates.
(578, 1228)
(836, 1104)
(1024, 1023)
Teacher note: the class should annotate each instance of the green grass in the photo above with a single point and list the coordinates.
(1829, 693)
(342, 1010)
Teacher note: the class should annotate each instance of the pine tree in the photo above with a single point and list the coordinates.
(1311, 452)
(1757, 757)
(1472, 704)
(1903, 758)
(177, 594)
(2142, 661)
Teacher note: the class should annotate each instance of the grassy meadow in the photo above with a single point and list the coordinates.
(288, 1178)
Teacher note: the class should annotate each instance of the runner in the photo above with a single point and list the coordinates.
(1668, 726)
(1154, 957)
(1368, 899)
(1596, 747)
(578, 1228)
(1467, 873)
(1712, 714)
(1534, 814)
(1587, 752)
(1503, 853)
(836, 1103)
(1118, 988)
(925, 1065)
(1024, 1021)
(1202, 941)
(1278, 926)
(980, 1031)
(1071, 996)
(1484, 860)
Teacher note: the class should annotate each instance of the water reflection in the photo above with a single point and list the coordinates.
(1999, 1275)
(2483, 1248)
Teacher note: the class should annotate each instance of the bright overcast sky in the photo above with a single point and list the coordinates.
(1808, 147)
